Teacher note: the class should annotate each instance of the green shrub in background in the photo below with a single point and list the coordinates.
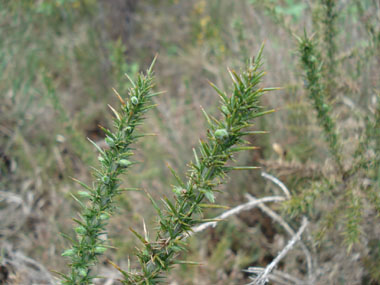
(326, 67)
(348, 180)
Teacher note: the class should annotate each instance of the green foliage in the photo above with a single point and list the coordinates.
(371, 25)
(353, 220)
(330, 33)
(312, 64)
(306, 200)
(207, 171)
(114, 161)
(347, 187)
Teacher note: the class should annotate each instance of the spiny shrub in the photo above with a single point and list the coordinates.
(330, 33)
(312, 64)
(207, 171)
(225, 138)
(114, 161)
(348, 189)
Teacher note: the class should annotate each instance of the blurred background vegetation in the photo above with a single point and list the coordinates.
(59, 60)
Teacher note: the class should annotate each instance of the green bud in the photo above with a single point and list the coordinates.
(110, 142)
(134, 100)
(100, 249)
(225, 110)
(68, 252)
(82, 272)
(104, 216)
(84, 194)
(105, 179)
(124, 162)
(221, 134)
(127, 129)
(80, 230)
(101, 159)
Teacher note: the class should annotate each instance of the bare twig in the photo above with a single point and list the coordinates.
(277, 218)
(263, 277)
(243, 207)
(277, 182)
(277, 276)
(282, 222)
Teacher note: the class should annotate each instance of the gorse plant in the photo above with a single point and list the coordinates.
(176, 218)
(372, 27)
(312, 64)
(329, 20)
(207, 171)
(114, 161)
(346, 188)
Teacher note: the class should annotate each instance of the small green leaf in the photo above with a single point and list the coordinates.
(213, 206)
(84, 194)
(179, 180)
(68, 252)
(110, 142)
(210, 196)
(100, 249)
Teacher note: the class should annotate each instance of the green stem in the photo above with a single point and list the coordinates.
(114, 161)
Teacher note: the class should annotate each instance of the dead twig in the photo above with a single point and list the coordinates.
(234, 211)
(262, 279)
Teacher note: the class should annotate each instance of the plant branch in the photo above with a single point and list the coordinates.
(114, 161)
(263, 277)
(207, 171)
(234, 211)
(277, 182)
(277, 218)
(276, 276)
